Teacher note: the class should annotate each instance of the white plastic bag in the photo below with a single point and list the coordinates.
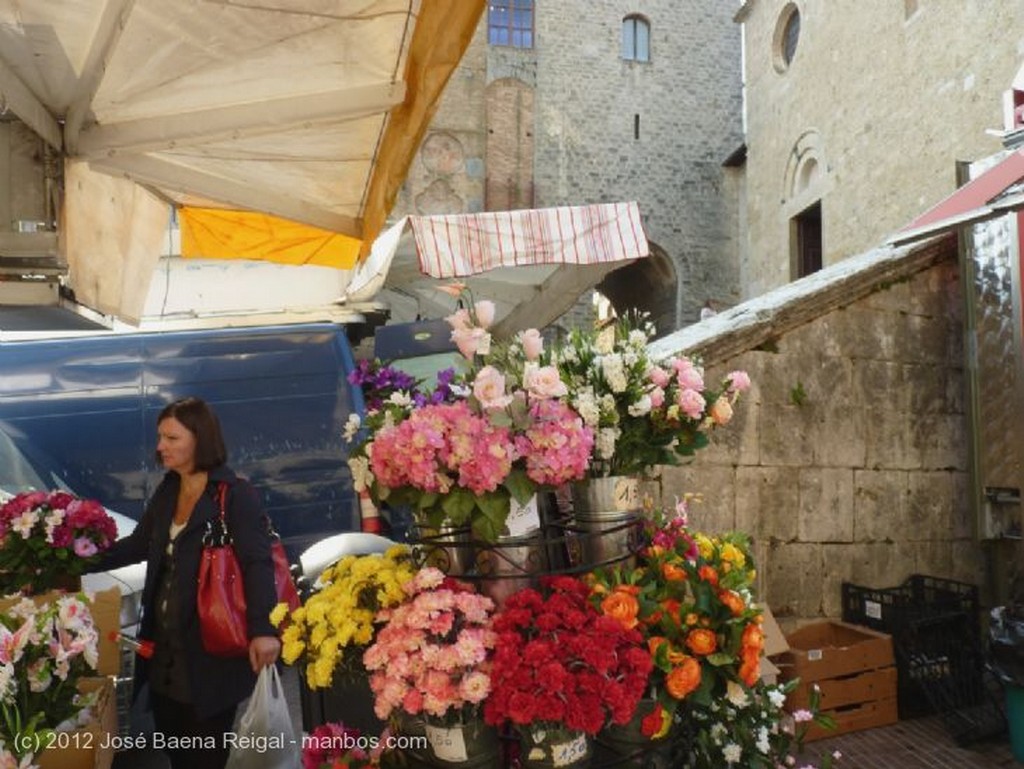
(265, 738)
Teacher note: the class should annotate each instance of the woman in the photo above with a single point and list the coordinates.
(195, 695)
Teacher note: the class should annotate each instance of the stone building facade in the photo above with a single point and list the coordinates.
(867, 120)
(848, 458)
(570, 121)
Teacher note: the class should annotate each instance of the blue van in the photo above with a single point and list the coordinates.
(86, 406)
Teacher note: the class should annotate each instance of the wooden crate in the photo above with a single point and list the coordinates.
(854, 670)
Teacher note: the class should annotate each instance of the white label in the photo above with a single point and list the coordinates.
(873, 609)
(627, 494)
(447, 744)
(814, 655)
(568, 753)
(522, 519)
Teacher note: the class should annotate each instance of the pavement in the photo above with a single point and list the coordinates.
(917, 743)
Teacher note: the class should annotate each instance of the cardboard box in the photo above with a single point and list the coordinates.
(90, 746)
(774, 643)
(854, 670)
(105, 608)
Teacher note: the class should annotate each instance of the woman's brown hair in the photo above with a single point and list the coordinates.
(198, 418)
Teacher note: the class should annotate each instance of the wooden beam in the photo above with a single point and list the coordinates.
(16, 96)
(554, 297)
(113, 19)
(239, 120)
(143, 169)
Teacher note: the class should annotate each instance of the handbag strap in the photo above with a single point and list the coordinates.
(221, 496)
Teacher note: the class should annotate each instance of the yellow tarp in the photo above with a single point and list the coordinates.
(212, 233)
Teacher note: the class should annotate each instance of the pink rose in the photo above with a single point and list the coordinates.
(543, 382)
(658, 376)
(692, 403)
(459, 320)
(690, 378)
(489, 388)
(471, 341)
(484, 311)
(532, 342)
(738, 381)
(657, 396)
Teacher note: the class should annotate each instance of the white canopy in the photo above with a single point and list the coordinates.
(309, 110)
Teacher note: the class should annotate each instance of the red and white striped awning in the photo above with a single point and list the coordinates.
(532, 263)
(468, 244)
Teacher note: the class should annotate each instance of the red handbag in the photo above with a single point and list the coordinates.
(221, 594)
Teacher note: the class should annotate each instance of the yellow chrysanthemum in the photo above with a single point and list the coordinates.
(278, 614)
(292, 651)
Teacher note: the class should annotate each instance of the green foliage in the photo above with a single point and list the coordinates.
(797, 395)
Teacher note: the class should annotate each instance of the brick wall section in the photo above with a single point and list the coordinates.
(895, 102)
(866, 479)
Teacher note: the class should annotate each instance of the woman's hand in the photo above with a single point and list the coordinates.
(263, 651)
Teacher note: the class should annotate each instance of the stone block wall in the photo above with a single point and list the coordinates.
(656, 132)
(847, 459)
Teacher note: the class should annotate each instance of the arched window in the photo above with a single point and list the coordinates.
(636, 38)
(510, 22)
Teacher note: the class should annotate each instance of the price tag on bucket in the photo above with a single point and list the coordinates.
(447, 744)
(569, 753)
(627, 494)
(522, 519)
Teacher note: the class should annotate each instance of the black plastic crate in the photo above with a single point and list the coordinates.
(897, 610)
(889, 609)
(943, 659)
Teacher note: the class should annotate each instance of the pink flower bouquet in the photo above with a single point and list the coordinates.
(502, 433)
(46, 537)
(432, 656)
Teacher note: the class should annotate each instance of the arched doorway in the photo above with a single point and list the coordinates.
(647, 285)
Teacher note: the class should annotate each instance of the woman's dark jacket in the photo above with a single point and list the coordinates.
(216, 683)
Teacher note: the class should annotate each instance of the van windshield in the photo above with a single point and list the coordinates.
(16, 473)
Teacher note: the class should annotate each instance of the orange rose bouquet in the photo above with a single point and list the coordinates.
(690, 595)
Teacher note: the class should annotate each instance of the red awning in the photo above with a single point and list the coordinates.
(981, 198)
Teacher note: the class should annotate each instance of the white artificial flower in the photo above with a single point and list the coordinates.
(736, 694)
(361, 475)
(352, 425)
(23, 523)
(605, 341)
(762, 740)
(637, 339)
(605, 441)
(614, 373)
(608, 405)
(586, 406)
(641, 408)
(717, 732)
(630, 358)
(732, 753)
(401, 399)
(568, 355)
(8, 684)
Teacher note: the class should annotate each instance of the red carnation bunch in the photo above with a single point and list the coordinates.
(559, 663)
